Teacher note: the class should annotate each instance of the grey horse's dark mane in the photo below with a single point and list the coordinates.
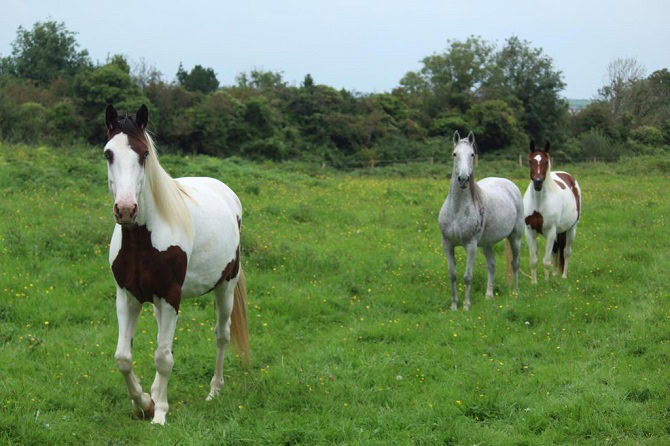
(475, 190)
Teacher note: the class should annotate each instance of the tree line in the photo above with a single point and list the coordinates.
(51, 92)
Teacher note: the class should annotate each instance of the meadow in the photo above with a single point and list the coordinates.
(352, 338)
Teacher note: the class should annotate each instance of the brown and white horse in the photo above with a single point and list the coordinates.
(173, 239)
(552, 207)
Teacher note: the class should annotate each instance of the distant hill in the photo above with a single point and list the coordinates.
(575, 105)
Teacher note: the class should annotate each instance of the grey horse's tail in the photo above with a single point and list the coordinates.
(508, 257)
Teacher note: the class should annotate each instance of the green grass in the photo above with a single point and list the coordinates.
(352, 338)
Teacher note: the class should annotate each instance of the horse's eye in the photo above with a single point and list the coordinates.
(146, 154)
(108, 155)
(454, 153)
(473, 155)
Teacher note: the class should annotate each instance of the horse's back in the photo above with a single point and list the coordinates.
(216, 213)
(504, 209)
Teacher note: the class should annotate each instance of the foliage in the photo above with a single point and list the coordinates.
(199, 79)
(45, 53)
(505, 93)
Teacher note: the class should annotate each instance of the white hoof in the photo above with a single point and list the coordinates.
(159, 418)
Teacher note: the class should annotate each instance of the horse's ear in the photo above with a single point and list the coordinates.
(471, 138)
(546, 146)
(111, 117)
(532, 145)
(457, 137)
(142, 117)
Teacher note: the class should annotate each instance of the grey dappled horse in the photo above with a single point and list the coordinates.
(479, 214)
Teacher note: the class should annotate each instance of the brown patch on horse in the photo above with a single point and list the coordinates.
(572, 184)
(538, 169)
(136, 138)
(559, 248)
(147, 272)
(560, 184)
(535, 221)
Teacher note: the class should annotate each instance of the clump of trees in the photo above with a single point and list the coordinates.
(50, 91)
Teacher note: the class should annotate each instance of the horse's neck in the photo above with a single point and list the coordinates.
(461, 198)
(145, 201)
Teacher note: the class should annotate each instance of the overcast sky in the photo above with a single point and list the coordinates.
(364, 45)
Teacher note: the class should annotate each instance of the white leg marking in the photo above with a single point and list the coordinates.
(163, 358)
(531, 241)
(223, 295)
(127, 311)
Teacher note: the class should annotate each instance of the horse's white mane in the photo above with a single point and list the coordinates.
(169, 196)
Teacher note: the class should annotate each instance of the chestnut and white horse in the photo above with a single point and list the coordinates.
(479, 214)
(173, 239)
(552, 206)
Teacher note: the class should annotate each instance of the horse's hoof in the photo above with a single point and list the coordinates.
(146, 414)
(454, 307)
(159, 419)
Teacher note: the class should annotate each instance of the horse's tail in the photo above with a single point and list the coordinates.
(239, 332)
(559, 248)
(508, 257)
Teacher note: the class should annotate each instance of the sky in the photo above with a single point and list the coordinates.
(365, 45)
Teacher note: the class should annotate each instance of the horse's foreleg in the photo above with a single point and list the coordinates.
(167, 322)
(127, 311)
(471, 250)
(451, 261)
(531, 241)
(548, 251)
(223, 295)
(491, 265)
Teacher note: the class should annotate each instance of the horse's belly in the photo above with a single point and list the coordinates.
(216, 245)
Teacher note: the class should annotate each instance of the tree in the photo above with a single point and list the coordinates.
(45, 53)
(199, 79)
(525, 74)
(451, 79)
(622, 74)
(495, 125)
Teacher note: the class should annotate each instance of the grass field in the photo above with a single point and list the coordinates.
(352, 338)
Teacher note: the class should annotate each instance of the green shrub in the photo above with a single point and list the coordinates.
(649, 135)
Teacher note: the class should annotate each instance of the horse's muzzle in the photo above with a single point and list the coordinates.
(125, 214)
(463, 181)
(537, 185)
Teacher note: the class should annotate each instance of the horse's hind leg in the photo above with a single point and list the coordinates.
(451, 261)
(491, 265)
(571, 234)
(127, 311)
(223, 295)
(167, 322)
(515, 244)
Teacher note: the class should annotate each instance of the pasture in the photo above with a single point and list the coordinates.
(351, 334)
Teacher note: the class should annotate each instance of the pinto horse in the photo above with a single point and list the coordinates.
(552, 205)
(173, 238)
(479, 214)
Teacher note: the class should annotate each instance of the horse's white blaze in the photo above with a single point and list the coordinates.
(538, 158)
(125, 174)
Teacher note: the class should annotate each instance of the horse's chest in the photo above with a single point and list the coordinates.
(146, 272)
(463, 228)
